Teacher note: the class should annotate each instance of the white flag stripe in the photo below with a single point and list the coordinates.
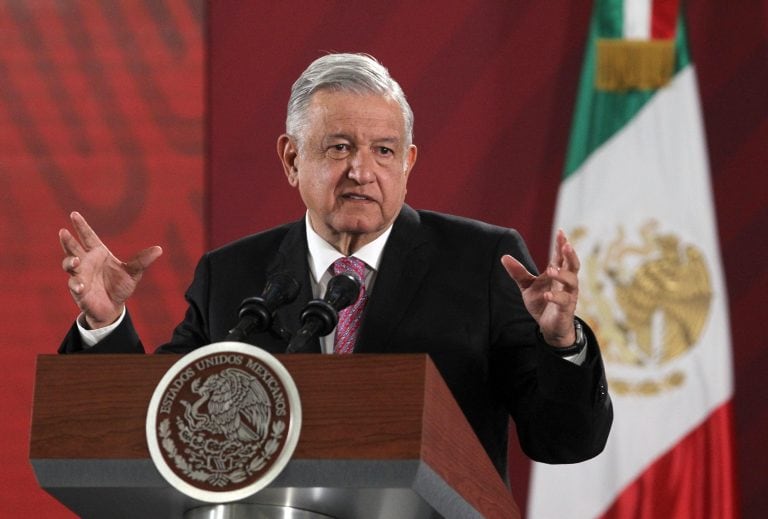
(637, 19)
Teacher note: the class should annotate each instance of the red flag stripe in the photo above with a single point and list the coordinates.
(664, 18)
(694, 479)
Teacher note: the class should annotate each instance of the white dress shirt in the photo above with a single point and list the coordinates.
(321, 258)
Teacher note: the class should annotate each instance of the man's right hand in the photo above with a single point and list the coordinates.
(98, 281)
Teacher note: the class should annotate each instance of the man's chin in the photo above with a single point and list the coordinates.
(358, 221)
(360, 226)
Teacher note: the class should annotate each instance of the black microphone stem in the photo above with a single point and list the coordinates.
(256, 313)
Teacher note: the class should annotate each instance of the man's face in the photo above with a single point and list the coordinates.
(352, 166)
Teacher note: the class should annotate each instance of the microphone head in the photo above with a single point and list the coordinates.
(323, 314)
(343, 290)
(281, 289)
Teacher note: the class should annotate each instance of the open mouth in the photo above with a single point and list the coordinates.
(353, 196)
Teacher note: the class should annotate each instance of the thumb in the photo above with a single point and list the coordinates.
(517, 271)
(141, 261)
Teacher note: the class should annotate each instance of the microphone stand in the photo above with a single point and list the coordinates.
(256, 313)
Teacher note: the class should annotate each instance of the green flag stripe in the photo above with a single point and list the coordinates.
(599, 115)
(610, 18)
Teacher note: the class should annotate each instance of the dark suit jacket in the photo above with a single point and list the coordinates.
(441, 290)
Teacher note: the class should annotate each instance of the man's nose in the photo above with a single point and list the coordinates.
(361, 167)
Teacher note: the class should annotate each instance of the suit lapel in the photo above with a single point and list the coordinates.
(292, 256)
(404, 263)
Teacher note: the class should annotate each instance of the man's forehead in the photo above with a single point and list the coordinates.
(343, 98)
(347, 114)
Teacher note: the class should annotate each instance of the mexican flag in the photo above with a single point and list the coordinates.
(636, 203)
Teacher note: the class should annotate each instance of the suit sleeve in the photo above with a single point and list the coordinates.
(123, 339)
(193, 331)
(562, 411)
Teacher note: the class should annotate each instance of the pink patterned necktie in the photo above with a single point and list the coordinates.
(350, 317)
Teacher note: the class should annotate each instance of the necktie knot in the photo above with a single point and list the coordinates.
(350, 263)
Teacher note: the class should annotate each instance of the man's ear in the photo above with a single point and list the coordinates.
(288, 151)
(410, 159)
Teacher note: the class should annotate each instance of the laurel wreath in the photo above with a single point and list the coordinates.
(198, 449)
(647, 387)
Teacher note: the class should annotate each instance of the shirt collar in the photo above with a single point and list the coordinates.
(322, 254)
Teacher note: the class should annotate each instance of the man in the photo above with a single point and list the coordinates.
(505, 340)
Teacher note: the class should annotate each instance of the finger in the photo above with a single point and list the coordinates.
(75, 286)
(143, 260)
(70, 245)
(565, 280)
(557, 250)
(70, 264)
(87, 235)
(559, 298)
(517, 271)
(571, 259)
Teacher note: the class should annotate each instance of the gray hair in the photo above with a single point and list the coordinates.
(357, 73)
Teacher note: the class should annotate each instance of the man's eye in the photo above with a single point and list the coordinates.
(338, 151)
(383, 150)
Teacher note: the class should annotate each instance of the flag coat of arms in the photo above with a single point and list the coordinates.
(636, 203)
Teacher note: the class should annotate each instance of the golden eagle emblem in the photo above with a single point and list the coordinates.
(648, 302)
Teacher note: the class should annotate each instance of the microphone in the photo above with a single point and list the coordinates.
(256, 313)
(319, 316)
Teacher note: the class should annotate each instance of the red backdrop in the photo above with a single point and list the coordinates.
(101, 110)
(101, 107)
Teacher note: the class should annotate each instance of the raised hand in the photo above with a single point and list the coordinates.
(99, 282)
(551, 297)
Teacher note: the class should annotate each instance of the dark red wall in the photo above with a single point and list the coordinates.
(492, 84)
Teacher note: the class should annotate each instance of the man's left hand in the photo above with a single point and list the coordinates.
(551, 296)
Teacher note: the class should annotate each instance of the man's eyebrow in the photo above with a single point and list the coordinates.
(391, 141)
(379, 140)
(338, 136)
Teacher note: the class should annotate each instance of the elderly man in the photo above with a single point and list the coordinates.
(504, 338)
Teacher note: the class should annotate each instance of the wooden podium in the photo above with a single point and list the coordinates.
(381, 437)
